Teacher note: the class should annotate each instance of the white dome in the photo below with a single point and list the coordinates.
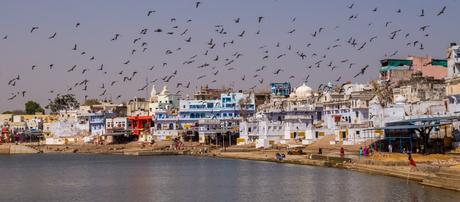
(400, 99)
(303, 91)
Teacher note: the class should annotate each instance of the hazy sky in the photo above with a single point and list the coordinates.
(101, 20)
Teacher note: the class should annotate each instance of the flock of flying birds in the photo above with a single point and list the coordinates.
(219, 64)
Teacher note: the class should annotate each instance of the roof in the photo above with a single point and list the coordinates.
(404, 127)
(427, 119)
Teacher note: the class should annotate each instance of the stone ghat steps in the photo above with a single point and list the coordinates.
(448, 176)
(441, 182)
(445, 178)
(401, 173)
(150, 153)
(16, 149)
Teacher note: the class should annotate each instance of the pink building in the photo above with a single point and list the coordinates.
(395, 70)
(429, 66)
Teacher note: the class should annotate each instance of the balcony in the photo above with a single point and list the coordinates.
(97, 121)
(296, 117)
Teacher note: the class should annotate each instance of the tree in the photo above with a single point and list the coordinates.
(63, 102)
(384, 92)
(91, 102)
(244, 104)
(15, 112)
(33, 107)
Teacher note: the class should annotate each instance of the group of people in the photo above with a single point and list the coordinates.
(280, 156)
(177, 144)
(366, 151)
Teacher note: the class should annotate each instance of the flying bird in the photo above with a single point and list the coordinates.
(150, 12)
(442, 11)
(277, 71)
(33, 29)
(259, 19)
(52, 36)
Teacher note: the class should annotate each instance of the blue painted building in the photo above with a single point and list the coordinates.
(281, 89)
(211, 118)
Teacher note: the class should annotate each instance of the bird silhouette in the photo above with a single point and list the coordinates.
(33, 29)
(259, 19)
(442, 11)
(150, 12)
(52, 36)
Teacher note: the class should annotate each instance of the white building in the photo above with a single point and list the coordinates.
(284, 120)
(164, 108)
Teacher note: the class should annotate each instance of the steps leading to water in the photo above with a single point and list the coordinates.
(16, 149)
(445, 178)
(149, 153)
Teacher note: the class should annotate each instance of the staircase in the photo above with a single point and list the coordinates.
(447, 178)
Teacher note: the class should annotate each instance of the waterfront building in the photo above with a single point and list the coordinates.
(116, 130)
(346, 112)
(228, 110)
(141, 127)
(138, 107)
(283, 120)
(453, 79)
(107, 106)
(206, 93)
(420, 88)
(164, 108)
(281, 89)
(347, 108)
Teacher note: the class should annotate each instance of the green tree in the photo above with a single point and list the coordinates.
(15, 112)
(63, 102)
(91, 102)
(33, 107)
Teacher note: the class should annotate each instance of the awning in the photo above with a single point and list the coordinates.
(406, 127)
(388, 68)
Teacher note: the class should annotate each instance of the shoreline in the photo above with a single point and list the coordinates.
(425, 174)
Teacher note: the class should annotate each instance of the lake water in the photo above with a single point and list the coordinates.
(75, 177)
